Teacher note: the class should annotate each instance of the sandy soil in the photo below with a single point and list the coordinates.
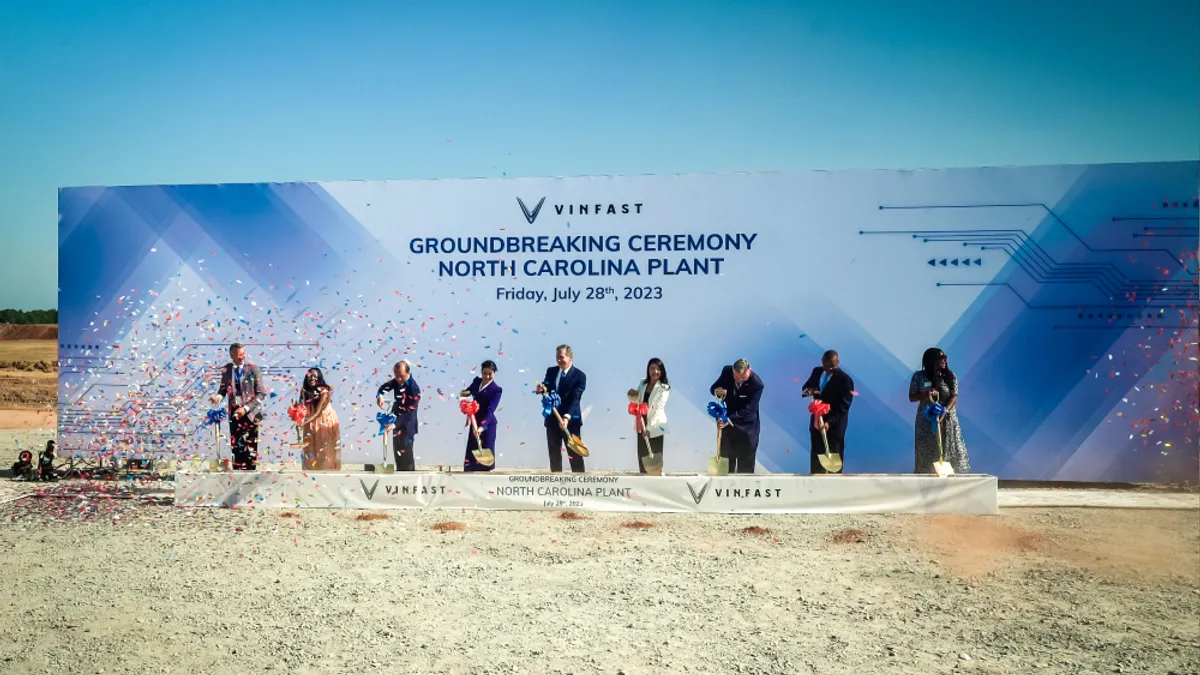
(43, 332)
(24, 393)
(27, 420)
(28, 374)
(100, 582)
(28, 392)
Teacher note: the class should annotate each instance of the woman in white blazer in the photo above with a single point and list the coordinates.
(653, 391)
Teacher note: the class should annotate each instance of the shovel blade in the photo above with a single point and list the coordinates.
(654, 464)
(831, 463)
(943, 469)
(484, 457)
(718, 466)
(575, 444)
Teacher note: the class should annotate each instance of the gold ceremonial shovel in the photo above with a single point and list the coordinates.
(220, 463)
(718, 466)
(830, 462)
(298, 414)
(574, 443)
(481, 454)
(941, 467)
(653, 463)
(386, 467)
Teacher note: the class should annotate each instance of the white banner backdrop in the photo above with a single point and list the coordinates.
(970, 494)
(697, 270)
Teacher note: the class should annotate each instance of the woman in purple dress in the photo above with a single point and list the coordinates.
(487, 394)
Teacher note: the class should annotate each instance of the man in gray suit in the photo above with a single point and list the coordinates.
(243, 385)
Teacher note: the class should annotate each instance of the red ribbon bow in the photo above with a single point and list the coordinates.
(639, 409)
(818, 409)
(298, 413)
(468, 407)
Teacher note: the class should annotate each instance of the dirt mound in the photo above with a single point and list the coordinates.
(448, 526)
(36, 331)
(30, 366)
(571, 515)
(755, 529)
(849, 537)
(372, 516)
(26, 392)
(637, 525)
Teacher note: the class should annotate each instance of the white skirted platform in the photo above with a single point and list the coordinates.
(771, 493)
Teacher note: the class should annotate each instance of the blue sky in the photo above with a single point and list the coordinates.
(102, 93)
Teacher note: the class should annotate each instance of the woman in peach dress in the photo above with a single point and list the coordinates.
(323, 434)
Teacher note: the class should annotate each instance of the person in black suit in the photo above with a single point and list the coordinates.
(569, 383)
(742, 390)
(406, 396)
(829, 384)
(242, 384)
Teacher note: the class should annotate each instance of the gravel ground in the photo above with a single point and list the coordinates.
(101, 578)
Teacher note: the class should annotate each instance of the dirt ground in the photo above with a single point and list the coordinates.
(43, 332)
(99, 582)
(28, 375)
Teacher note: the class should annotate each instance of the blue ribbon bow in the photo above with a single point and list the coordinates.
(385, 420)
(718, 411)
(549, 403)
(933, 412)
(215, 416)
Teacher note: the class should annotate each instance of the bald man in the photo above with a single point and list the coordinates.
(829, 384)
(406, 396)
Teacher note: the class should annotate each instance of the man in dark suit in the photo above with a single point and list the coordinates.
(742, 390)
(406, 396)
(242, 384)
(568, 382)
(829, 384)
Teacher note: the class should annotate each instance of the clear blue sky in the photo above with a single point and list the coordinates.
(113, 92)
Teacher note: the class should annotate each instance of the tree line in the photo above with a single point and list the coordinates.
(21, 316)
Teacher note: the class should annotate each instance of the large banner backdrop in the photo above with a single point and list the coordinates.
(1064, 296)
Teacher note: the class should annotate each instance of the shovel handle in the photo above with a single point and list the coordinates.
(646, 441)
(941, 448)
(387, 431)
(475, 430)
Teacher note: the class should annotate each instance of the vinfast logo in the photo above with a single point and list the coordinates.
(369, 491)
(531, 215)
(602, 209)
(735, 493)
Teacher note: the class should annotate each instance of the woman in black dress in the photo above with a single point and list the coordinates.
(935, 381)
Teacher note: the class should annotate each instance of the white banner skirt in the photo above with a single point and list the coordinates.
(967, 494)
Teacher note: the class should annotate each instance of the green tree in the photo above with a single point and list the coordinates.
(20, 316)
